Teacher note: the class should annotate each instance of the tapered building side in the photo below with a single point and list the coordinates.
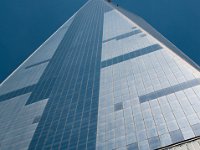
(104, 80)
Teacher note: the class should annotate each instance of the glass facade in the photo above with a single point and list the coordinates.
(101, 81)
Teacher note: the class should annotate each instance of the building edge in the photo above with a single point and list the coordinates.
(186, 143)
(153, 32)
(13, 72)
(191, 143)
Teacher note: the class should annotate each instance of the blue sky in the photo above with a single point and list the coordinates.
(177, 20)
(26, 24)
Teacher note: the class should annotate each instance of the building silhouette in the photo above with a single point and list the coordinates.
(104, 80)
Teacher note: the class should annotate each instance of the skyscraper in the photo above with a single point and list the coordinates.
(104, 80)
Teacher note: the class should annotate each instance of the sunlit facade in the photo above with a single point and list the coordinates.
(104, 80)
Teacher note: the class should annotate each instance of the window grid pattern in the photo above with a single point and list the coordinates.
(39, 63)
(169, 90)
(125, 35)
(164, 120)
(125, 104)
(16, 122)
(115, 47)
(71, 81)
(22, 79)
(131, 55)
